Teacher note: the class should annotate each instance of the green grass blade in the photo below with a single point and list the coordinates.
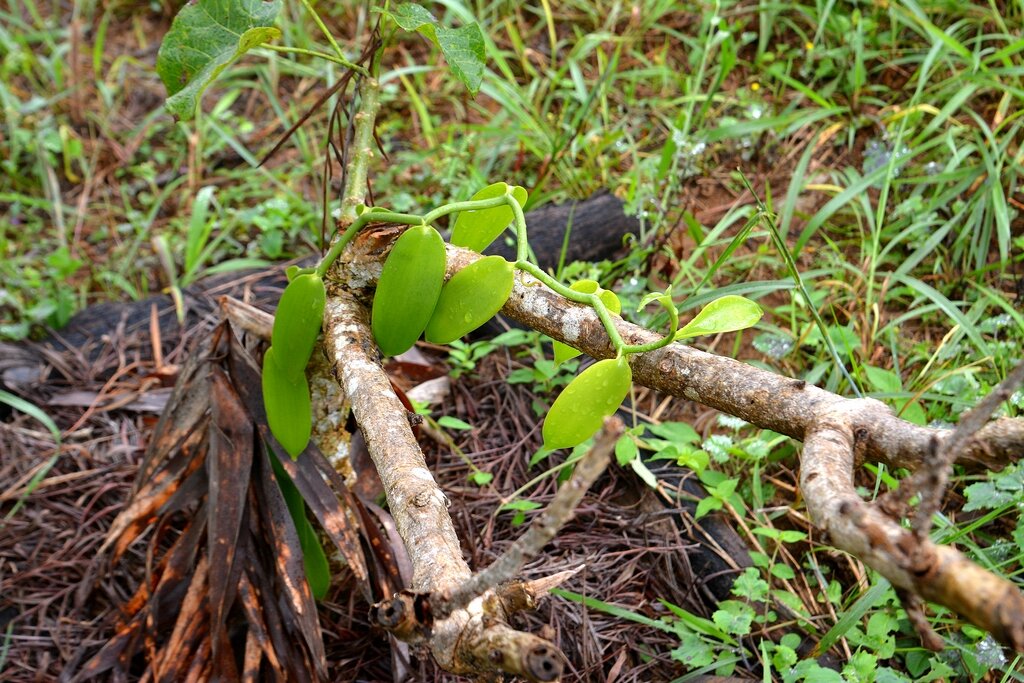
(852, 616)
(949, 308)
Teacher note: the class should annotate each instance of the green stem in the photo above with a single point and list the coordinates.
(358, 224)
(469, 205)
(522, 246)
(330, 39)
(592, 300)
(313, 53)
(363, 148)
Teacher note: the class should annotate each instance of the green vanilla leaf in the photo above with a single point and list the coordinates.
(470, 298)
(314, 560)
(580, 409)
(463, 48)
(297, 322)
(407, 290)
(205, 38)
(477, 229)
(727, 314)
(286, 400)
(665, 300)
(564, 352)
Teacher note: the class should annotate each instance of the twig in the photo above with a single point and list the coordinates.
(544, 528)
(931, 477)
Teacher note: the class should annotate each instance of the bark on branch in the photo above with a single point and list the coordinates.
(839, 435)
(934, 572)
(474, 639)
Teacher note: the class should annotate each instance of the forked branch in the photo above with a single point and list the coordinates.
(839, 435)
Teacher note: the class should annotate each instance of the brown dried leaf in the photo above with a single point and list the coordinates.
(229, 465)
(287, 555)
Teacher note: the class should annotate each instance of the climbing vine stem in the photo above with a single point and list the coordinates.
(378, 215)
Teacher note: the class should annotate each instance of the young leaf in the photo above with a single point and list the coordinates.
(564, 352)
(582, 406)
(206, 37)
(481, 478)
(727, 314)
(477, 229)
(286, 399)
(665, 300)
(707, 505)
(463, 48)
(199, 228)
(297, 322)
(449, 422)
(626, 450)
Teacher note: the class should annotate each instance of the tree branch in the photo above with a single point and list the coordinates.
(474, 639)
(937, 573)
(782, 404)
(545, 526)
(839, 434)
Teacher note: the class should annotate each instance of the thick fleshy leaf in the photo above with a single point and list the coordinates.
(206, 37)
(407, 290)
(580, 409)
(297, 322)
(286, 399)
(470, 298)
(463, 48)
(477, 229)
(727, 314)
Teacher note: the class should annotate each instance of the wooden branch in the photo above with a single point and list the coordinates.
(929, 481)
(937, 573)
(545, 526)
(784, 405)
(473, 639)
(839, 434)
